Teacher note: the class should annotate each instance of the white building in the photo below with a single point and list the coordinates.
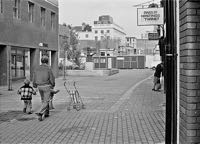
(104, 34)
(105, 28)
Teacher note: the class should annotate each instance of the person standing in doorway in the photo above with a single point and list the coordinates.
(44, 80)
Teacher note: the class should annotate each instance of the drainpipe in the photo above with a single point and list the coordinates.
(170, 59)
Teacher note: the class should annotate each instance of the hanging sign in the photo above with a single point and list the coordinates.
(150, 16)
(153, 36)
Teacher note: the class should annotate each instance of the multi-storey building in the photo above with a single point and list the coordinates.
(104, 35)
(29, 29)
(130, 47)
(106, 28)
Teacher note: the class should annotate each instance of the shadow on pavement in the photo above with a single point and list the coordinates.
(10, 115)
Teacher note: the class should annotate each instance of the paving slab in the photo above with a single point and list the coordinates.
(120, 108)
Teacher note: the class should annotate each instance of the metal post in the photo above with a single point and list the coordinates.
(9, 76)
(170, 59)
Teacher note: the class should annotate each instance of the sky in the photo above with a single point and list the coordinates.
(75, 12)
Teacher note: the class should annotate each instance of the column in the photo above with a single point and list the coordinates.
(34, 60)
(54, 62)
(189, 71)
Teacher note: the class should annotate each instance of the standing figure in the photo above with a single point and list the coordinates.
(26, 92)
(157, 75)
(44, 80)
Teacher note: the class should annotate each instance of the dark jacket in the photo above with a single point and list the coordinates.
(43, 75)
(158, 71)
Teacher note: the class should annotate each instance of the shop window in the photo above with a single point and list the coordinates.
(18, 63)
(16, 9)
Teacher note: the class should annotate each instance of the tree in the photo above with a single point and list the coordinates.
(70, 46)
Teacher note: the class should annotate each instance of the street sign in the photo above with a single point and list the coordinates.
(150, 16)
(153, 36)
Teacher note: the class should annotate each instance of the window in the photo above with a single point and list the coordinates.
(96, 31)
(108, 31)
(108, 37)
(86, 35)
(1, 6)
(42, 18)
(96, 38)
(30, 11)
(102, 54)
(102, 37)
(96, 60)
(53, 17)
(17, 63)
(102, 31)
(16, 9)
(103, 60)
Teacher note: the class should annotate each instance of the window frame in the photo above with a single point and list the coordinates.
(42, 16)
(31, 8)
(16, 9)
(1, 6)
(53, 19)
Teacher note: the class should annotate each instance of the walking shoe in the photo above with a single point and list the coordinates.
(39, 116)
(29, 112)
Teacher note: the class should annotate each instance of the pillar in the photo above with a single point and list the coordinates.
(3, 64)
(34, 60)
(189, 72)
(54, 62)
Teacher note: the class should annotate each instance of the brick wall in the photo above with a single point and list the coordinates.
(189, 71)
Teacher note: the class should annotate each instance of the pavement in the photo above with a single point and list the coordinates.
(120, 109)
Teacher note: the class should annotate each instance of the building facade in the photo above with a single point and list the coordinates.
(29, 29)
(105, 28)
(104, 35)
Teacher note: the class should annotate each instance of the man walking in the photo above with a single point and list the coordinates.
(44, 80)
